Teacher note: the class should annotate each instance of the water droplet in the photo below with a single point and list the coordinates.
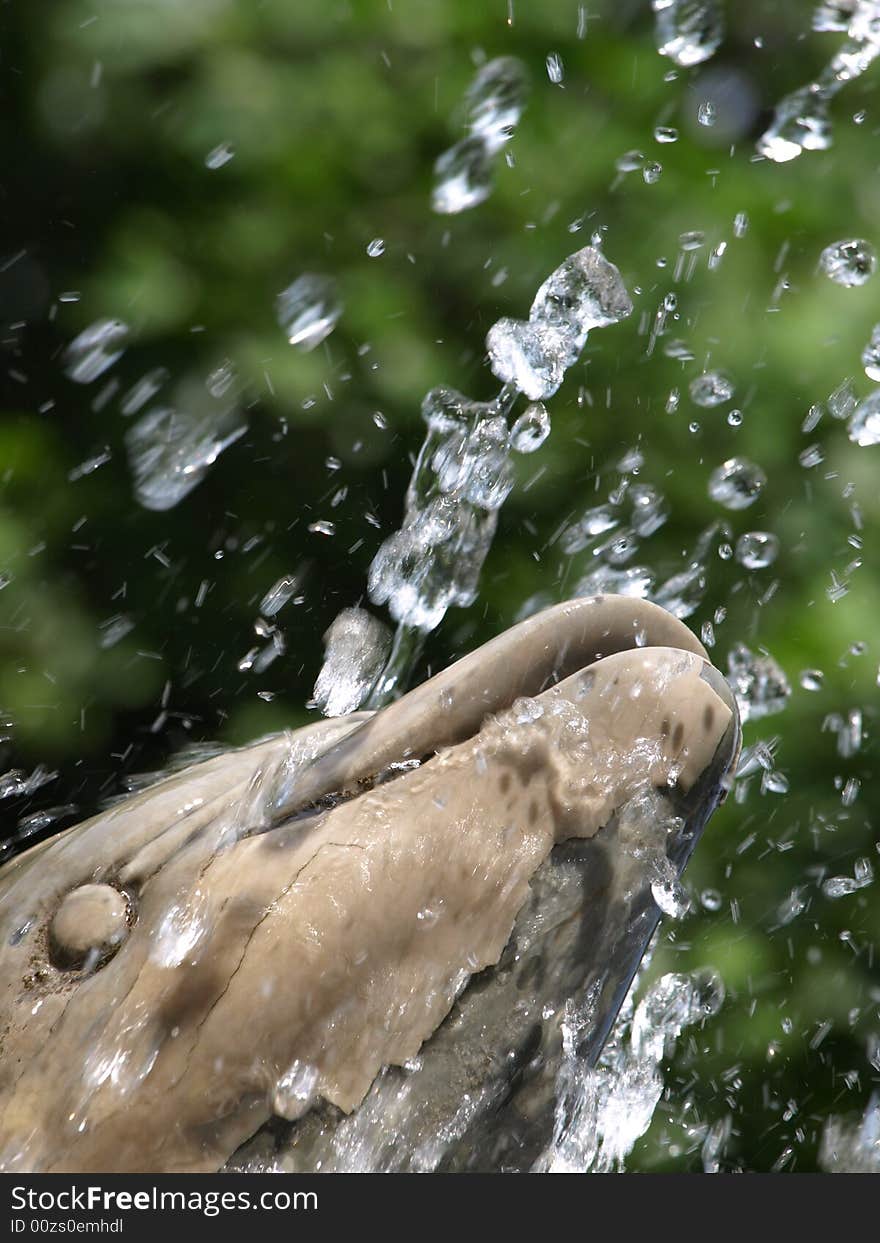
(692, 240)
(308, 310)
(812, 679)
(95, 350)
(295, 1091)
(864, 426)
(629, 162)
(665, 134)
(278, 595)
(356, 646)
(531, 429)
(495, 100)
(712, 388)
(688, 31)
(735, 418)
(757, 549)
(871, 355)
(759, 684)
(849, 262)
(811, 456)
(555, 68)
(833, 15)
(376, 248)
(463, 177)
(737, 483)
(170, 452)
(740, 224)
(652, 172)
(800, 123)
(706, 113)
(219, 155)
(494, 104)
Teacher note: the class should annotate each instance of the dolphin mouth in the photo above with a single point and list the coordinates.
(280, 930)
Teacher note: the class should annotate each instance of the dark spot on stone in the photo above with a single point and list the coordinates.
(678, 735)
(665, 727)
(708, 718)
(533, 811)
(505, 782)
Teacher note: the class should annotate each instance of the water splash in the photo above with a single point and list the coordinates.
(463, 473)
(356, 647)
(801, 121)
(603, 1110)
(584, 292)
(853, 1148)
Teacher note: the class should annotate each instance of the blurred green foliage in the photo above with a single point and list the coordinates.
(336, 112)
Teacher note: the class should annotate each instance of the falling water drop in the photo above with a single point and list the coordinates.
(707, 114)
(531, 429)
(850, 262)
(712, 388)
(555, 68)
(309, 309)
(864, 425)
(871, 355)
(757, 549)
(737, 483)
(219, 156)
(688, 31)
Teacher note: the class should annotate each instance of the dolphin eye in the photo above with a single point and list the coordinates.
(89, 925)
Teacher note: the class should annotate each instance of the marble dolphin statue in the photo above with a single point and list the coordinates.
(353, 947)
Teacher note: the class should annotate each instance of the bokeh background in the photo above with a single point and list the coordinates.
(122, 629)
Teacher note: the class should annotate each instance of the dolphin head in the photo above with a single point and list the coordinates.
(374, 917)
